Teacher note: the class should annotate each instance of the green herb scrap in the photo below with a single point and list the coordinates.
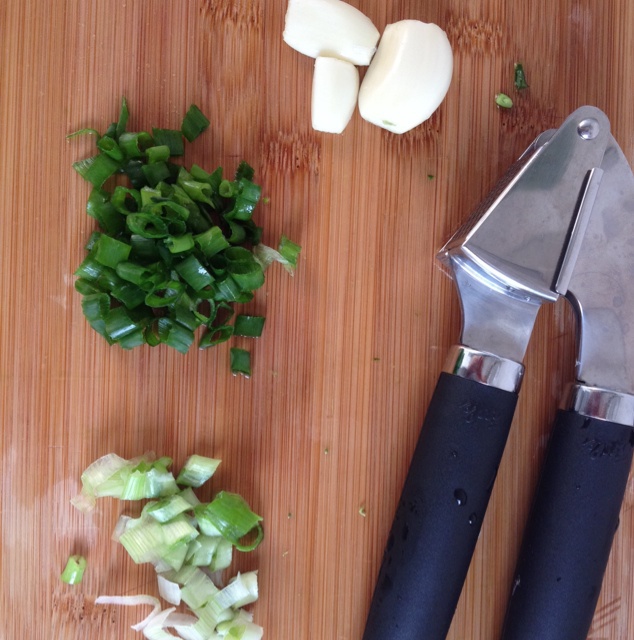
(520, 77)
(176, 248)
(504, 101)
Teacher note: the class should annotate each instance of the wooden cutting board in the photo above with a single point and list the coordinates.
(319, 439)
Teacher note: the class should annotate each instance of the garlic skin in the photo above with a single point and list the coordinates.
(334, 97)
(409, 76)
(330, 28)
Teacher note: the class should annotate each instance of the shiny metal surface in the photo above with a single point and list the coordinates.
(486, 368)
(521, 233)
(602, 404)
(586, 206)
(495, 318)
(602, 286)
(524, 238)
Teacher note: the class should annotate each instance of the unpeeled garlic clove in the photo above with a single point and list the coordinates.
(409, 76)
(335, 91)
(330, 28)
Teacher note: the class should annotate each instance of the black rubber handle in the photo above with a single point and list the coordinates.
(440, 513)
(570, 529)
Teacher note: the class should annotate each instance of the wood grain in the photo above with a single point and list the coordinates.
(319, 439)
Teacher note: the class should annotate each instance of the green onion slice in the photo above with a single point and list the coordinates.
(240, 362)
(520, 77)
(233, 518)
(74, 571)
(197, 470)
(124, 114)
(170, 239)
(110, 252)
(96, 169)
(504, 101)
(171, 139)
(249, 326)
(194, 123)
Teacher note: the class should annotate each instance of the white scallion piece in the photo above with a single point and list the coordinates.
(334, 97)
(133, 601)
(409, 76)
(197, 470)
(330, 28)
(242, 590)
(169, 591)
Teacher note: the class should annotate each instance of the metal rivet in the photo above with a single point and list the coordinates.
(588, 129)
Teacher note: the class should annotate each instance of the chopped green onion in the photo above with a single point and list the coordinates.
(159, 153)
(249, 326)
(126, 200)
(119, 323)
(247, 195)
(247, 274)
(109, 146)
(135, 144)
(128, 294)
(114, 476)
(502, 100)
(238, 233)
(83, 132)
(149, 540)
(99, 207)
(240, 629)
(193, 272)
(168, 590)
(179, 244)
(165, 295)
(156, 172)
(197, 470)
(135, 273)
(178, 536)
(170, 239)
(171, 139)
(286, 254)
(242, 590)
(96, 169)
(289, 250)
(233, 518)
(133, 601)
(227, 289)
(188, 494)
(211, 242)
(520, 77)
(216, 336)
(244, 170)
(147, 225)
(194, 123)
(168, 508)
(198, 590)
(74, 571)
(214, 179)
(110, 252)
(124, 114)
(175, 335)
(197, 191)
(240, 362)
(134, 170)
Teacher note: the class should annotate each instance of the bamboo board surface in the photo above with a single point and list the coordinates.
(319, 439)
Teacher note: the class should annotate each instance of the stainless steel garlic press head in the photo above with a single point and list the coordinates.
(559, 223)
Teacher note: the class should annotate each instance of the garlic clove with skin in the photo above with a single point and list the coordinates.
(408, 77)
(334, 97)
(330, 28)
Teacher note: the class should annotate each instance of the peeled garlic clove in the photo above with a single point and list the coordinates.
(409, 76)
(335, 91)
(330, 28)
